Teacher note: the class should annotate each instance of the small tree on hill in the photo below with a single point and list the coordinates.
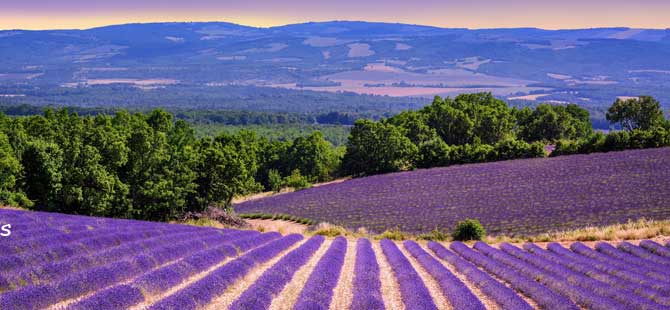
(469, 230)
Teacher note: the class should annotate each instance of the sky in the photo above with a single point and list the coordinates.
(547, 14)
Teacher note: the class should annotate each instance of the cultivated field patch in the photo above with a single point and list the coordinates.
(56, 261)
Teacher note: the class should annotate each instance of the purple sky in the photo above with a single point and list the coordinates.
(550, 14)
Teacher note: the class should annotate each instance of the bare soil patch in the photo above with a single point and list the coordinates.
(283, 227)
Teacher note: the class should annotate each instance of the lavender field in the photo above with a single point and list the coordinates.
(55, 261)
(510, 197)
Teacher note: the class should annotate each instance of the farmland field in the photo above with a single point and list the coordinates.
(55, 261)
(511, 197)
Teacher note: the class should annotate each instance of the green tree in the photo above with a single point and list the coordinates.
(553, 122)
(435, 153)
(643, 113)
(10, 171)
(42, 164)
(470, 119)
(515, 149)
(296, 181)
(415, 126)
(374, 147)
(222, 174)
(275, 180)
(314, 157)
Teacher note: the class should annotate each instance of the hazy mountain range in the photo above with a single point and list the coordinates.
(588, 66)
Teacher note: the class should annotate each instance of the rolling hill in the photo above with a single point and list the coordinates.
(510, 197)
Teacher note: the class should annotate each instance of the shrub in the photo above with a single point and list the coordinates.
(297, 181)
(435, 235)
(393, 234)
(329, 230)
(274, 180)
(469, 230)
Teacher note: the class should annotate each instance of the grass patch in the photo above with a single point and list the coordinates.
(394, 234)
(631, 230)
(329, 230)
(434, 235)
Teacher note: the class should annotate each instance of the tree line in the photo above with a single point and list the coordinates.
(474, 128)
(151, 166)
(144, 166)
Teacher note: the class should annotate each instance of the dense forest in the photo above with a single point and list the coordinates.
(154, 166)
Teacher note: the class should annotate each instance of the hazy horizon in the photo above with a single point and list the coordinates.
(324, 21)
(481, 14)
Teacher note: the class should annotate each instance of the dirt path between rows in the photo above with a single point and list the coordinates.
(281, 226)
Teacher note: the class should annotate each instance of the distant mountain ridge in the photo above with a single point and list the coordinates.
(587, 66)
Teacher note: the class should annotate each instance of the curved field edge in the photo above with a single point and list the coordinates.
(517, 197)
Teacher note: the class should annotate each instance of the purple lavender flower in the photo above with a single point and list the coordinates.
(367, 285)
(414, 293)
(454, 289)
(501, 294)
(260, 294)
(318, 291)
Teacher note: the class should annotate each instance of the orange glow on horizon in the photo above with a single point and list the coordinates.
(569, 14)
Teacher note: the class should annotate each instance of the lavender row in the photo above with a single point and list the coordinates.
(656, 248)
(59, 251)
(625, 254)
(648, 257)
(581, 249)
(414, 293)
(542, 295)
(459, 296)
(610, 267)
(557, 281)
(505, 297)
(162, 279)
(56, 271)
(602, 294)
(366, 284)
(318, 290)
(203, 291)
(634, 260)
(89, 280)
(602, 272)
(260, 294)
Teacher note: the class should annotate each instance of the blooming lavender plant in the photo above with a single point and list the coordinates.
(655, 248)
(459, 296)
(213, 284)
(603, 272)
(501, 294)
(260, 294)
(414, 293)
(367, 285)
(613, 296)
(526, 285)
(318, 291)
(556, 281)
